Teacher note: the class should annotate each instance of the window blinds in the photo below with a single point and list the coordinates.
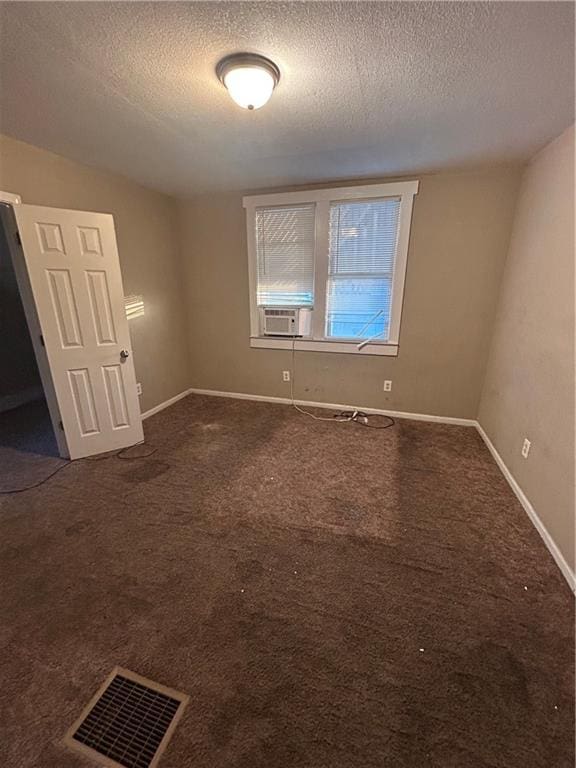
(362, 254)
(285, 255)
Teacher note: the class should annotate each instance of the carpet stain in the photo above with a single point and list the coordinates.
(329, 597)
(146, 471)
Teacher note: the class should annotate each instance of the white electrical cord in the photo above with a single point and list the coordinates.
(336, 418)
(354, 417)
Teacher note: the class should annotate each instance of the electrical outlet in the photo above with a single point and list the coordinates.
(285, 375)
(388, 385)
(139, 388)
(526, 447)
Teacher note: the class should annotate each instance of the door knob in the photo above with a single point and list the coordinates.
(124, 354)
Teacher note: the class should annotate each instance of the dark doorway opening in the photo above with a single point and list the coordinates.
(26, 435)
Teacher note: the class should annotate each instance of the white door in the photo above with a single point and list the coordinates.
(74, 273)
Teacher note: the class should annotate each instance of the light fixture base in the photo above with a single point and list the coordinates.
(236, 60)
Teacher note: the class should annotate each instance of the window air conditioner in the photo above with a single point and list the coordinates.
(285, 321)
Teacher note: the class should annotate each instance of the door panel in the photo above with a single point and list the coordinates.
(64, 306)
(101, 307)
(90, 244)
(116, 396)
(83, 397)
(74, 272)
(50, 238)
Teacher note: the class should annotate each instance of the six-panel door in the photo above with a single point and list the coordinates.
(74, 272)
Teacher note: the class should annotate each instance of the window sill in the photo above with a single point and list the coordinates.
(317, 345)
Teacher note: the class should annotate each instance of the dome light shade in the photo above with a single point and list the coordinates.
(249, 78)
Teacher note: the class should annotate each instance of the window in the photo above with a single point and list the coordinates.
(338, 255)
(362, 249)
(285, 253)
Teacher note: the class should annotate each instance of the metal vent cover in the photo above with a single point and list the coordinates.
(280, 312)
(128, 722)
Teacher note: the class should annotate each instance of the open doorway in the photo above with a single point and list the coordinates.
(27, 437)
(67, 337)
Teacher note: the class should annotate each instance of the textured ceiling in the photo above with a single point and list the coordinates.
(367, 89)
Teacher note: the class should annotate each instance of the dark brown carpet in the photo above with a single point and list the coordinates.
(329, 596)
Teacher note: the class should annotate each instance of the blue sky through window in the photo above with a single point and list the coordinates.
(363, 238)
(354, 302)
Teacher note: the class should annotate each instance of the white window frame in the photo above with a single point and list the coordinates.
(318, 342)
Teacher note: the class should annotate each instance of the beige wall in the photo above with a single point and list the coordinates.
(460, 234)
(147, 241)
(189, 262)
(529, 386)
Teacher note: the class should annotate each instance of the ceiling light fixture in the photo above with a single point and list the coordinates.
(249, 78)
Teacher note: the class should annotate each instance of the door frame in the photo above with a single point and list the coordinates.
(7, 202)
(10, 197)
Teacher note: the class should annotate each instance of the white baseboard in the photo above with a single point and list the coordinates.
(166, 403)
(531, 512)
(337, 407)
